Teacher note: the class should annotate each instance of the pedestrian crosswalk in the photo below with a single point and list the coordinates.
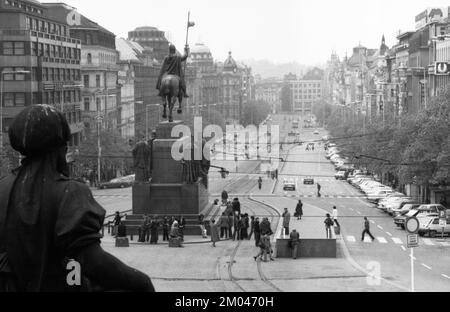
(394, 241)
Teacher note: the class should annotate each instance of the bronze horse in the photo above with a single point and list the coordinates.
(170, 90)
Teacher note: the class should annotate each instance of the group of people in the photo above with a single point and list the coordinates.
(171, 228)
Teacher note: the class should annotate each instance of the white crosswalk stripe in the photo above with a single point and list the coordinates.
(397, 240)
(428, 241)
(351, 239)
(382, 240)
(367, 239)
(445, 244)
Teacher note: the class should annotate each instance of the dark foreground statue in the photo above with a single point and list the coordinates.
(46, 219)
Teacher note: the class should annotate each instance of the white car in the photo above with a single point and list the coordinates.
(376, 196)
(340, 175)
(431, 226)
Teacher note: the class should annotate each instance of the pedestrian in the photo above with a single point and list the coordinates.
(366, 230)
(223, 224)
(252, 227)
(224, 197)
(328, 224)
(166, 227)
(181, 226)
(214, 232)
(236, 205)
(319, 187)
(276, 174)
(262, 248)
(257, 231)
(238, 222)
(245, 226)
(299, 210)
(230, 224)
(154, 225)
(294, 242)
(260, 181)
(268, 247)
(265, 227)
(335, 217)
(286, 220)
(49, 218)
(116, 222)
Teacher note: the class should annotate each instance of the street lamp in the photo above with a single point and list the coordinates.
(4, 72)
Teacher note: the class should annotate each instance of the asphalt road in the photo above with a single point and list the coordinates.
(388, 251)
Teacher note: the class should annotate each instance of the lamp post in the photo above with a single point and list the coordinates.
(3, 72)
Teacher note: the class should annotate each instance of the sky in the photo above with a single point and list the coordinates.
(304, 31)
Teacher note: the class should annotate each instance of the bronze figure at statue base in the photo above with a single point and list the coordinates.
(170, 191)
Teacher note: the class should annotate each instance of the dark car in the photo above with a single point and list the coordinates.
(122, 182)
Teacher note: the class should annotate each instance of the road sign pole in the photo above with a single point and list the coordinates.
(412, 269)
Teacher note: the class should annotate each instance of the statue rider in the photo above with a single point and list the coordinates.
(173, 66)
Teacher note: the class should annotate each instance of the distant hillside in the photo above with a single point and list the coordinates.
(269, 69)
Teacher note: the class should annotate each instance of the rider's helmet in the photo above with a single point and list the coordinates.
(172, 49)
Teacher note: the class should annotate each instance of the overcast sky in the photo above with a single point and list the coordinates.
(305, 31)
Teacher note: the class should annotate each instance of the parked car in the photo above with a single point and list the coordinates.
(316, 132)
(431, 226)
(289, 185)
(377, 195)
(405, 209)
(398, 205)
(308, 180)
(118, 182)
(341, 175)
(420, 212)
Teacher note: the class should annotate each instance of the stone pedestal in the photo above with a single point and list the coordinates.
(166, 194)
(122, 242)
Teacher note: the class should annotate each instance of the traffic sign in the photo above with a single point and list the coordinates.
(412, 225)
(412, 240)
(441, 68)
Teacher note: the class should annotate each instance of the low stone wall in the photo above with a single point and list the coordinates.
(309, 248)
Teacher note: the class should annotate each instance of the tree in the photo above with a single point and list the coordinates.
(254, 112)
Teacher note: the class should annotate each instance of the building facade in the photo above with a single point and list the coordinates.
(40, 47)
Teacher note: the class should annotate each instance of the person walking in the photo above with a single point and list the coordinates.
(224, 197)
(245, 226)
(319, 187)
(286, 221)
(214, 232)
(328, 224)
(236, 228)
(268, 248)
(295, 242)
(257, 231)
(230, 224)
(223, 224)
(335, 217)
(265, 227)
(299, 210)
(252, 227)
(366, 230)
(260, 181)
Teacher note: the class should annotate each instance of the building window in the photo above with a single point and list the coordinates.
(28, 23)
(20, 77)
(97, 81)
(86, 104)
(34, 48)
(99, 104)
(86, 81)
(8, 48)
(51, 99)
(89, 58)
(8, 99)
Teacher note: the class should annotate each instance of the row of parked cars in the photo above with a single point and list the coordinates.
(400, 206)
(340, 163)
